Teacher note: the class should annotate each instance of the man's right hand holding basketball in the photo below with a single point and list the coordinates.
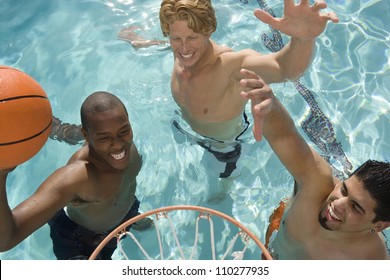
(4, 173)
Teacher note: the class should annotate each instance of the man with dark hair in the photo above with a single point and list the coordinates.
(326, 218)
(375, 176)
(91, 195)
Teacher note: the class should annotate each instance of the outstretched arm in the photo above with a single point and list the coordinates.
(303, 23)
(261, 97)
(35, 211)
(274, 122)
(6, 219)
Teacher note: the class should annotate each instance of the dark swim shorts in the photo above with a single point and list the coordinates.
(230, 158)
(74, 242)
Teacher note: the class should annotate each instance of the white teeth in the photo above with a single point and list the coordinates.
(118, 156)
(186, 55)
(333, 215)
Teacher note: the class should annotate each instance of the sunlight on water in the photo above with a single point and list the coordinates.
(71, 49)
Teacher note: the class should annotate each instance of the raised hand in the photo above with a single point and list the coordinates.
(261, 96)
(300, 20)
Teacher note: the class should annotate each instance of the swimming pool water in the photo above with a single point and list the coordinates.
(71, 49)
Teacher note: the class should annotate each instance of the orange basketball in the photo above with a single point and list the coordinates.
(25, 117)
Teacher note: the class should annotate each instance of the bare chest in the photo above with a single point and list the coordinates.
(104, 206)
(207, 96)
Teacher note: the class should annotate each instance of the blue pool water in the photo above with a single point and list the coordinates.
(71, 49)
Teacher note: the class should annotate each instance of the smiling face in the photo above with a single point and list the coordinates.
(110, 137)
(349, 208)
(187, 45)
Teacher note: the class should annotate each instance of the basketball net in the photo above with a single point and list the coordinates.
(243, 238)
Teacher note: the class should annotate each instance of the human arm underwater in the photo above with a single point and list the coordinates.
(66, 132)
(129, 35)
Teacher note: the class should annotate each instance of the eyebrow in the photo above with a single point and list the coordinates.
(354, 201)
(126, 126)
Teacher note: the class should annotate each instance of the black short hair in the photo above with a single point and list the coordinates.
(375, 176)
(98, 101)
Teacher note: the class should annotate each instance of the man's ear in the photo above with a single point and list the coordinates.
(85, 134)
(381, 226)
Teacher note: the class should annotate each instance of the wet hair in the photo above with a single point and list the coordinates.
(375, 176)
(99, 101)
(200, 15)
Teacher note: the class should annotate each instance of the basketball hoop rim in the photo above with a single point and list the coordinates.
(171, 208)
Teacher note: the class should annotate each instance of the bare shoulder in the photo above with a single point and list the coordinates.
(68, 178)
(241, 54)
(381, 252)
(232, 61)
(61, 187)
(249, 52)
(369, 249)
(80, 155)
(77, 165)
(220, 49)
